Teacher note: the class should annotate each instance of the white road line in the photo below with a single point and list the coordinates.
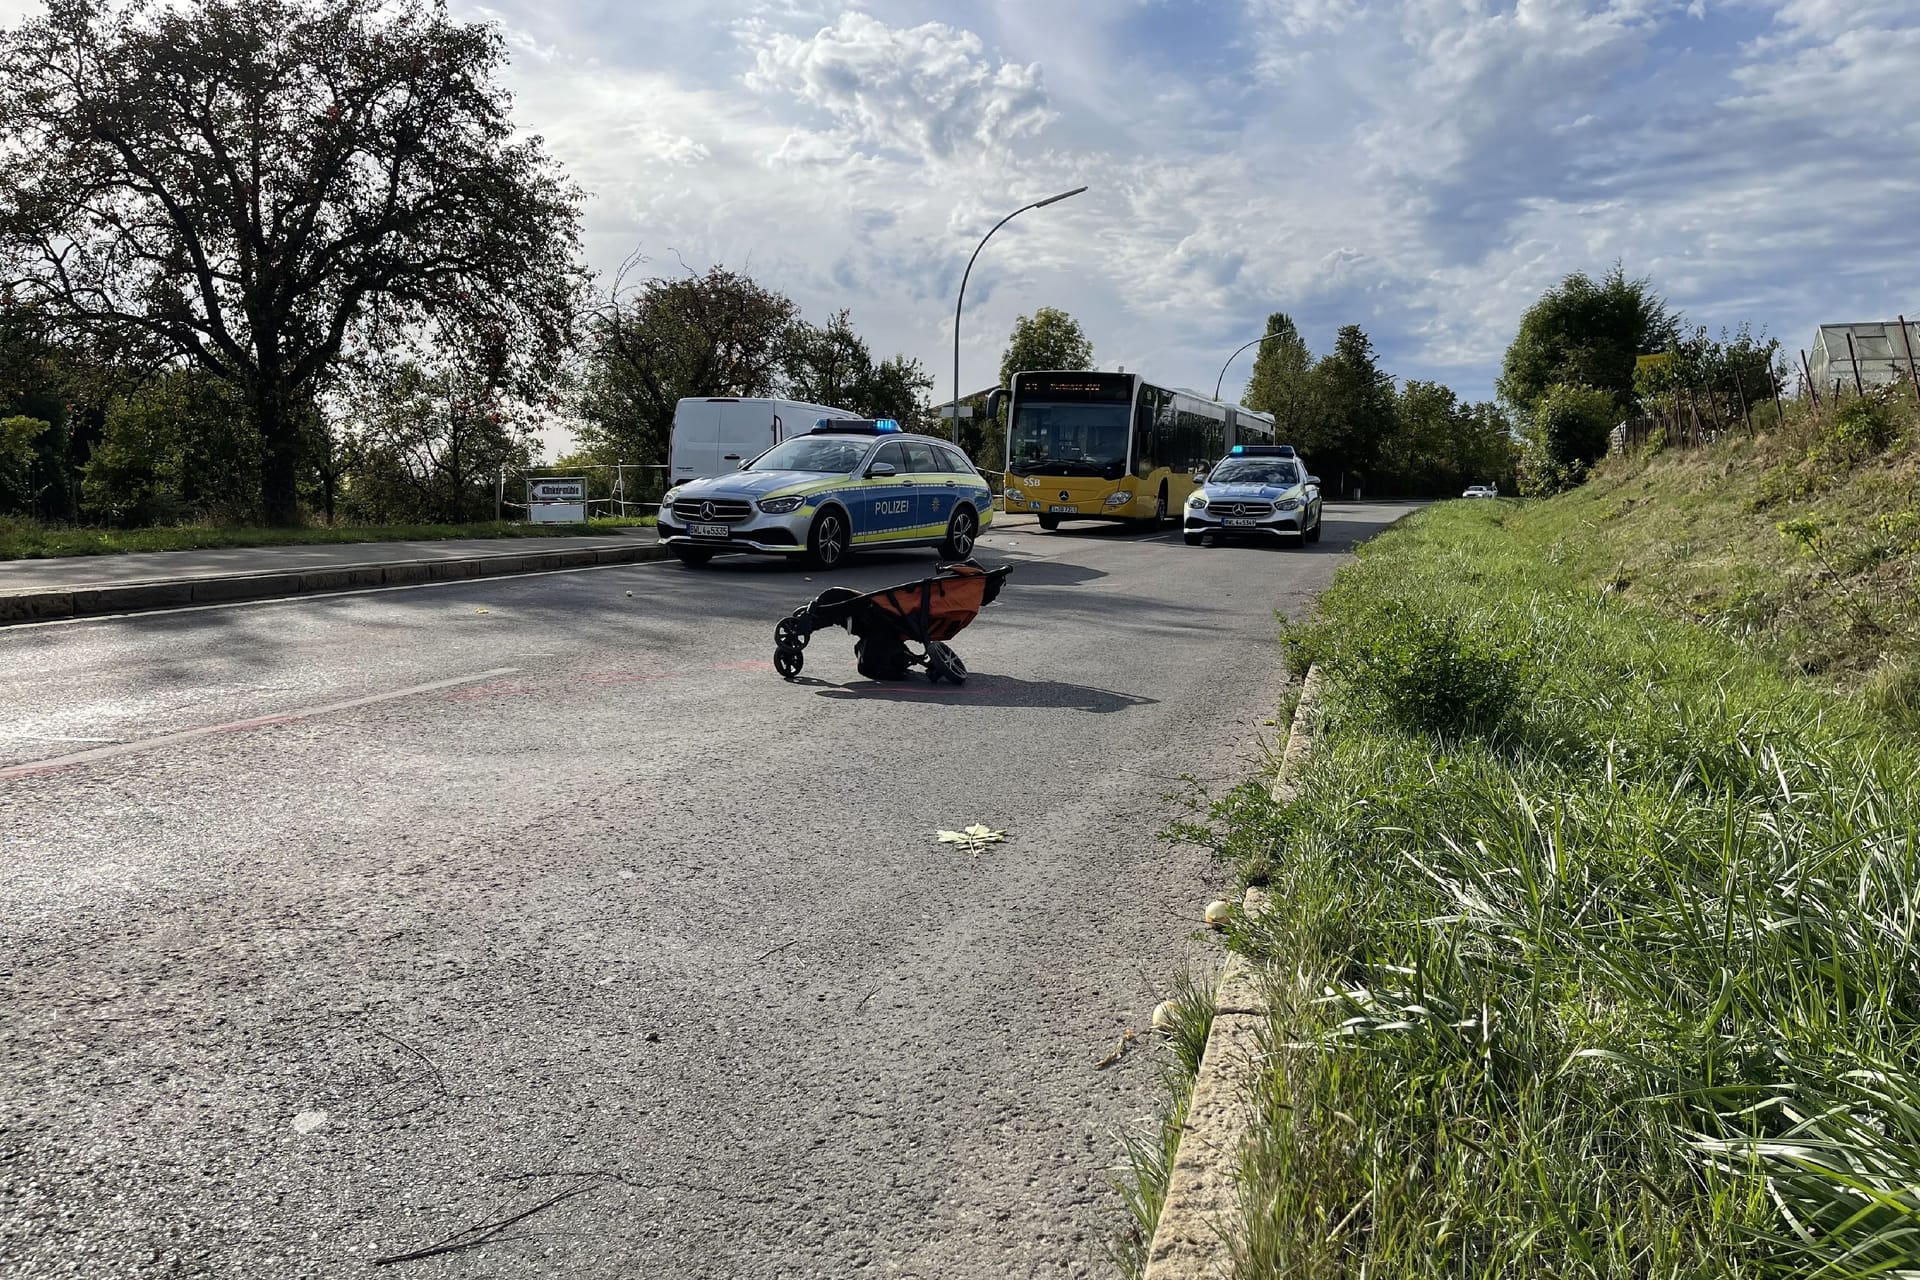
(278, 717)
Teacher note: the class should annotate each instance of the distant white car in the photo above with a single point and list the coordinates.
(1482, 491)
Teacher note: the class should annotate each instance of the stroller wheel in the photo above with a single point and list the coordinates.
(788, 635)
(788, 661)
(944, 664)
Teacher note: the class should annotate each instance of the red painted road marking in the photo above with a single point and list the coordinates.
(233, 726)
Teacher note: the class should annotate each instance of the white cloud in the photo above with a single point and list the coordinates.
(927, 90)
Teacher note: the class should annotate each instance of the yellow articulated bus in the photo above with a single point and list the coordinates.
(1113, 446)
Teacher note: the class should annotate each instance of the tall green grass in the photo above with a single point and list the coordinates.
(1601, 934)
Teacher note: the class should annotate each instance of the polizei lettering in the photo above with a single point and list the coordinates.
(891, 508)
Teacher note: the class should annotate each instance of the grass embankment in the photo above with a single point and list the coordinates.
(1595, 927)
(22, 539)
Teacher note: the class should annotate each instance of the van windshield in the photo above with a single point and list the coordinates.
(824, 454)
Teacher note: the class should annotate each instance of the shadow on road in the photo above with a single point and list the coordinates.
(986, 691)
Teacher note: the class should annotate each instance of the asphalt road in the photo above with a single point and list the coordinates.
(374, 918)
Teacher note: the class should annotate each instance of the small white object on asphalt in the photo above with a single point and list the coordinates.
(629, 595)
(1218, 912)
(308, 1121)
(1164, 1014)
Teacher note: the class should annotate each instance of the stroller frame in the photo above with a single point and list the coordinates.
(886, 624)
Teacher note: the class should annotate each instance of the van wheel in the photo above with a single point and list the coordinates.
(830, 540)
(961, 530)
(691, 557)
(1049, 523)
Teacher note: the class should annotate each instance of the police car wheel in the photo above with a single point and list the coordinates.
(1313, 534)
(688, 556)
(960, 534)
(1049, 523)
(829, 540)
(1192, 539)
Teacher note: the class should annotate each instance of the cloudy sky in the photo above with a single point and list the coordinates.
(1423, 168)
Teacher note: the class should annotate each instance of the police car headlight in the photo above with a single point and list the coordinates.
(1287, 504)
(1197, 500)
(1119, 499)
(780, 506)
(1012, 494)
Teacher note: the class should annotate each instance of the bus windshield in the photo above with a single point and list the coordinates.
(1068, 439)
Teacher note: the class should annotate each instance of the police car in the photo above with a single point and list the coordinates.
(1257, 490)
(847, 484)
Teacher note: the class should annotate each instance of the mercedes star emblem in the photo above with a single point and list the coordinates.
(706, 511)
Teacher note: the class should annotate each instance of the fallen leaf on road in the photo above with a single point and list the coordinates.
(1119, 1051)
(974, 839)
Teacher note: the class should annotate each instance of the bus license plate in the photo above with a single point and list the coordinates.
(1063, 511)
(1237, 523)
(707, 530)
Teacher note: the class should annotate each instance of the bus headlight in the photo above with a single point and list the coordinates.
(1197, 500)
(1119, 499)
(1012, 494)
(780, 506)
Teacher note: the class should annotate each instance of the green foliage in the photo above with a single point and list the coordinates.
(388, 186)
(429, 440)
(1566, 435)
(1620, 989)
(18, 437)
(1429, 673)
(1865, 425)
(1348, 436)
(178, 449)
(1047, 339)
(1149, 1154)
(1584, 332)
(1282, 381)
(718, 334)
(1440, 445)
(24, 539)
(832, 365)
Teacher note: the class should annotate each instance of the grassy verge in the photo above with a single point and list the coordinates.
(1600, 928)
(22, 539)
(1148, 1153)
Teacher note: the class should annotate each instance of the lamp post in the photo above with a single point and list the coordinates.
(1221, 380)
(957, 302)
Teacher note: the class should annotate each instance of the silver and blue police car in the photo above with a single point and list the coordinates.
(1257, 490)
(845, 485)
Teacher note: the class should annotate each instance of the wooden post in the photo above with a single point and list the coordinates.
(1807, 369)
(1741, 388)
(1773, 385)
(1906, 341)
(1853, 358)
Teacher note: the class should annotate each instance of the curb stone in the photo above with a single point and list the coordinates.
(80, 602)
(1202, 1206)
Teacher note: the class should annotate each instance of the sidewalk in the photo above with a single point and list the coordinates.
(79, 586)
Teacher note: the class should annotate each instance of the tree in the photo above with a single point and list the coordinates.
(1566, 436)
(254, 183)
(1355, 422)
(1048, 339)
(1588, 333)
(1281, 384)
(832, 365)
(178, 448)
(719, 334)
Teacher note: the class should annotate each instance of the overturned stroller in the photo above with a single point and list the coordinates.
(927, 613)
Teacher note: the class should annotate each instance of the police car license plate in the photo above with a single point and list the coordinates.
(1062, 511)
(707, 530)
(1237, 522)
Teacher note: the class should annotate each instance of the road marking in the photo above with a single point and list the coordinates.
(232, 726)
(304, 597)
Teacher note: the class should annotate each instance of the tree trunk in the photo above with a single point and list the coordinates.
(279, 455)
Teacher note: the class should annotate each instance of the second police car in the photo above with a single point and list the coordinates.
(1257, 490)
(844, 485)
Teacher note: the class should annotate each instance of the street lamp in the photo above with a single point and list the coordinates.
(1037, 204)
(1217, 382)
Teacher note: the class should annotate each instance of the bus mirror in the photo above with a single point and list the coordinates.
(995, 398)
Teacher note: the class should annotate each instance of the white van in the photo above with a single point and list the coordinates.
(713, 435)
